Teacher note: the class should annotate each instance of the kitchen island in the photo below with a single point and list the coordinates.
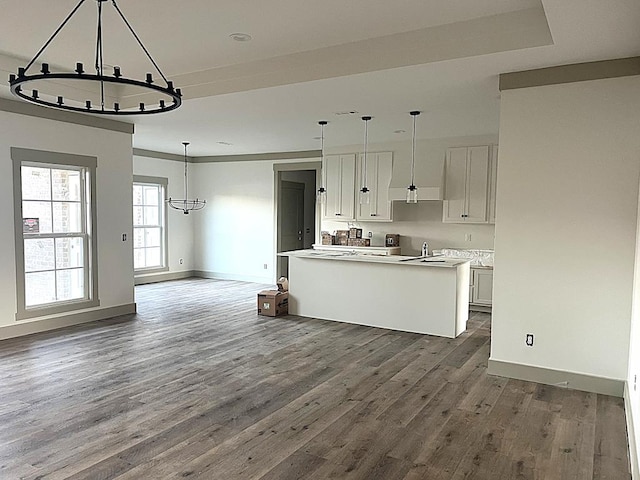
(422, 295)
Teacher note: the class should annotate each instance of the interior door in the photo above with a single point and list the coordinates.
(291, 220)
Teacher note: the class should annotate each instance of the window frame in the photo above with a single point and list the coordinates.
(163, 182)
(46, 159)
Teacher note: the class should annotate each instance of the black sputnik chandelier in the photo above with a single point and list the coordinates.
(22, 83)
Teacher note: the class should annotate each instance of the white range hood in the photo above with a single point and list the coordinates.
(397, 194)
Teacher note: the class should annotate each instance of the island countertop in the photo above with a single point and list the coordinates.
(437, 261)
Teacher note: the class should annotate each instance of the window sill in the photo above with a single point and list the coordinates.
(55, 309)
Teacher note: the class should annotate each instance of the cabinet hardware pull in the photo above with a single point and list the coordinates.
(374, 214)
(338, 214)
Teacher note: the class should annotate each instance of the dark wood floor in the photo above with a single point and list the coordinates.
(198, 386)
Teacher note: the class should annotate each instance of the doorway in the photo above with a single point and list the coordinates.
(296, 216)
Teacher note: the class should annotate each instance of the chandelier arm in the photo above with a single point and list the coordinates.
(126, 22)
(54, 35)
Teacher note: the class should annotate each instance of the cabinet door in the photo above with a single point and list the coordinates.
(455, 185)
(477, 185)
(340, 180)
(482, 286)
(379, 168)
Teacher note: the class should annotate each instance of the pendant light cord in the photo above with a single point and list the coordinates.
(324, 170)
(413, 152)
(364, 160)
(186, 192)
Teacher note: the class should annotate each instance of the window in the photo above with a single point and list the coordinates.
(55, 232)
(149, 221)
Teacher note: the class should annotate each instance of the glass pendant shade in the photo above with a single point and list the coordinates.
(365, 196)
(321, 196)
(412, 194)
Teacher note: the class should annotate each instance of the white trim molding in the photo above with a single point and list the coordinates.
(53, 323)
(143, 279)
(559, 378)
(631, 434)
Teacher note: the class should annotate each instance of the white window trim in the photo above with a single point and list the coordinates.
(53, 159)
(165, 218)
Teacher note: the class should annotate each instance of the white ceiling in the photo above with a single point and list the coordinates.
(309, 60)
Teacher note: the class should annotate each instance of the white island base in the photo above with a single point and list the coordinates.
(414, 296)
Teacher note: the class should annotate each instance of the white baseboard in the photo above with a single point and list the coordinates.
(21, 328)
(631, 434)
(163, 277)
(232, 276)
(561, 378)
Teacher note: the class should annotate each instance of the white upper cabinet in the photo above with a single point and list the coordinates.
(340, 177)
(379, 169)
(468, 171)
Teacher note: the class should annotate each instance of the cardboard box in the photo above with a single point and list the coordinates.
(328, 239)
(273, 303)
(342, 237)
(392, 240)
(359, 242)
(355, 232)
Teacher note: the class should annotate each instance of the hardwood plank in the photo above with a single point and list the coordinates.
(197, 385)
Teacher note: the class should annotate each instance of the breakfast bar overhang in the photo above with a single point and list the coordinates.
(421, 295)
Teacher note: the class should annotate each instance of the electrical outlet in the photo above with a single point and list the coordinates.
(529, 340)
(265, 266)
(467, 237)
(369, 234)
(181, 261)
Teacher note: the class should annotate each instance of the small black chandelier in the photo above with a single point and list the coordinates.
(172, 97)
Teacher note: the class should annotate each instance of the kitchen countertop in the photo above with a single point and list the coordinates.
(440, 262)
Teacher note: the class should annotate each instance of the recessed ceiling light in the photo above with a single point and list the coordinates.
(399, 131)
(224, 143)
(240, 37)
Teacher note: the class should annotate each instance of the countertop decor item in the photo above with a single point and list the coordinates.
(105, 85)
(185, 204)
(322, 191)
(412, 190)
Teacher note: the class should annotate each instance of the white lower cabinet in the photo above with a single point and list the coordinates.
(481, 288)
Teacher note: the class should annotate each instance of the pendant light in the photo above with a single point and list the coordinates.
(322, 191)
(170, 97)
(364, 191)
(186, 205)
(412, 190)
